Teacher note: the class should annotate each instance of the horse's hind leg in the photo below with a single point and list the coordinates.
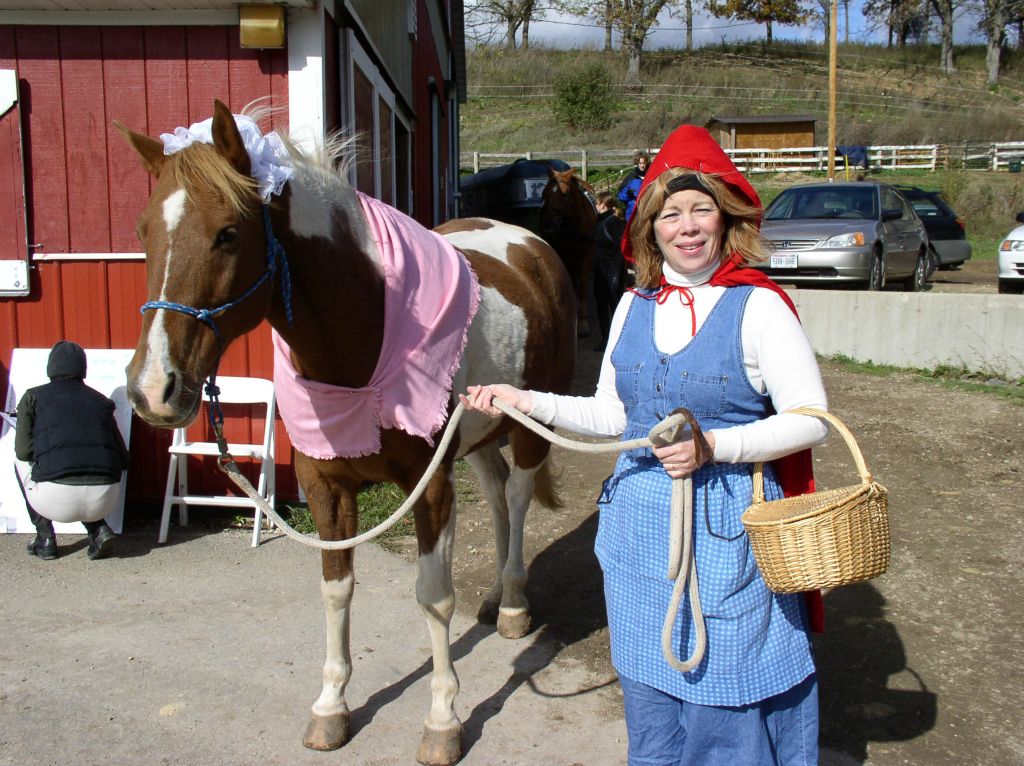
(509, 495)
(441, 744)
(492, 472)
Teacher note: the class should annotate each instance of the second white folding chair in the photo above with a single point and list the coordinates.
(233, 390)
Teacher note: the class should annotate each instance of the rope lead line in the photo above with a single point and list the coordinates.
(682, 568)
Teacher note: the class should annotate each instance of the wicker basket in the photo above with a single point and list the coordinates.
(823, 539)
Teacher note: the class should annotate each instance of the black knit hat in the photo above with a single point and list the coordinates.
(67, 360)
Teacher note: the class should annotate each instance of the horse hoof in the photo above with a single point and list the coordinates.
(488, 613)
(513, 624)
(440, 747)
(326, 732)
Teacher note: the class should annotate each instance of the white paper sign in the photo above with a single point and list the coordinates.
(105, 373)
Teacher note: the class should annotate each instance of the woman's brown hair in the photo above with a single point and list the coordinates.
(741, 234)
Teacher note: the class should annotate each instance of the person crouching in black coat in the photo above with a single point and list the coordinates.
(609, 265)
(67, 432)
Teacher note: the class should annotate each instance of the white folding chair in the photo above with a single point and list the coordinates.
(233, 390)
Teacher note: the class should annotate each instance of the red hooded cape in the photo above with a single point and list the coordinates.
(693, 148)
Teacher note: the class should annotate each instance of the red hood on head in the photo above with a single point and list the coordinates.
(693, 148)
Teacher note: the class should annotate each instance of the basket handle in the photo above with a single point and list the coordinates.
(851, 444)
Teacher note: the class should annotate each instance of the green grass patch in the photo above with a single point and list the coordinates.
(378, 501)
(956, 378)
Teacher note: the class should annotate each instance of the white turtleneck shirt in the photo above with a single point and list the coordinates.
(777, 357)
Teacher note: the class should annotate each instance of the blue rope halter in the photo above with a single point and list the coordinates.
(276, 259)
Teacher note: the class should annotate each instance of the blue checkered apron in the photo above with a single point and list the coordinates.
(757, 640)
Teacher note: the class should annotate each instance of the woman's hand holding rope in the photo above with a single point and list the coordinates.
(680, 459)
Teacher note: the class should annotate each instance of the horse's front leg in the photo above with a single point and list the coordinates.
(334, 509)
(441, 744)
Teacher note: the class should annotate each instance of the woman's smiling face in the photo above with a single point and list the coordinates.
(688, 231)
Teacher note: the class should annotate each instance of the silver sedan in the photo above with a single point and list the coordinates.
(862, 234)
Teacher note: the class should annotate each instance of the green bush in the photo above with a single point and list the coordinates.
(584, 98)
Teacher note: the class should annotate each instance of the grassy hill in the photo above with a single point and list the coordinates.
(885, 96)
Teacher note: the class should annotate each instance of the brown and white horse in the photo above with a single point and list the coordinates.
(568, 217)
(206, 243)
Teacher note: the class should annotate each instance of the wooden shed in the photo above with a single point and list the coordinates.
(71, 189)
(763, 132)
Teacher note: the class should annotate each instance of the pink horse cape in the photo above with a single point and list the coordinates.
(431, 297)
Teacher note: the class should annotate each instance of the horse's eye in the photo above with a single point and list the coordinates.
(226, 236)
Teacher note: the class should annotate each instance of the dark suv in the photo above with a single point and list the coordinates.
(946, 230)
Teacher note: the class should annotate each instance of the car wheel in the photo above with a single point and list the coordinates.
(915, 282)
(876, 277)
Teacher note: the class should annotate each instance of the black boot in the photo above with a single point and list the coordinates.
(45, 544)
(43, 547)
(101, 540)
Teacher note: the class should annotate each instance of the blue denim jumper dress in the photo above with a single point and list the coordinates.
(758, 643)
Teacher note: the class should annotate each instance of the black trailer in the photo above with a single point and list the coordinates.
(509, 193)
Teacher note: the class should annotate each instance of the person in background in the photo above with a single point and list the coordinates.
(609, 266)
(703, 331)
(629, 189)
(67, 432)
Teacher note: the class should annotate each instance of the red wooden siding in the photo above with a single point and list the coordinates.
(428, 65)
(85, 188)
(13, 242)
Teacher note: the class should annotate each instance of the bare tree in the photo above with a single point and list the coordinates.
(767, 12)
(944, 10)
(904, 19)
(607, 13)
(821, 12)
(995, 15)
(635, 19)
(609, 23)
(684, 10)
(1016, 21)
(513, 15)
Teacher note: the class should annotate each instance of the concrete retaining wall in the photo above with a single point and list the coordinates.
(984, 333)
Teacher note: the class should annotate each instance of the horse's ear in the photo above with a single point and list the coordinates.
(551, 172)
(228, 141)
(150, 150)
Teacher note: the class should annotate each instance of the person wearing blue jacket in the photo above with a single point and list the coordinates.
(629, 189)
(67, 432)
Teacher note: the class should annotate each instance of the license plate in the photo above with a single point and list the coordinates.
(787, 261)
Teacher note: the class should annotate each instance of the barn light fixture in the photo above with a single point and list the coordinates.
(261, 26)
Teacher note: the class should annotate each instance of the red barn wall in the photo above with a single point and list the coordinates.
(84, 189)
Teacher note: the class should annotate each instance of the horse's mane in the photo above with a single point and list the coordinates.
(200, 169)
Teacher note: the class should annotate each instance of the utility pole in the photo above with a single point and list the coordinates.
(834, 17)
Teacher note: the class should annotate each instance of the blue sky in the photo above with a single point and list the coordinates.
(574, 32)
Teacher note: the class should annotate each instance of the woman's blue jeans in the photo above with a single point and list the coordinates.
(667, 731)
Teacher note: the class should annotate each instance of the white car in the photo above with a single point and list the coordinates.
(1011, 260)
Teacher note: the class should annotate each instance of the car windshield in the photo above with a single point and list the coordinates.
(830, 202)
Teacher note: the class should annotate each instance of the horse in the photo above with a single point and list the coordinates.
(211, 241)
(568, 217)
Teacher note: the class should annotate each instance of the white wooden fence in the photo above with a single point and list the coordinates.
(965, 156)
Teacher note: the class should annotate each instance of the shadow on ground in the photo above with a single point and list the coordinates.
(856, 656)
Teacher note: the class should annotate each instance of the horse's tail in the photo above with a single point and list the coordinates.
(545, 486)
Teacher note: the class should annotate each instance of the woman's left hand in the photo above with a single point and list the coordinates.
(680, 458)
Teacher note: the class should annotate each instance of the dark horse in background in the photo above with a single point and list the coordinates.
(568, 217)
